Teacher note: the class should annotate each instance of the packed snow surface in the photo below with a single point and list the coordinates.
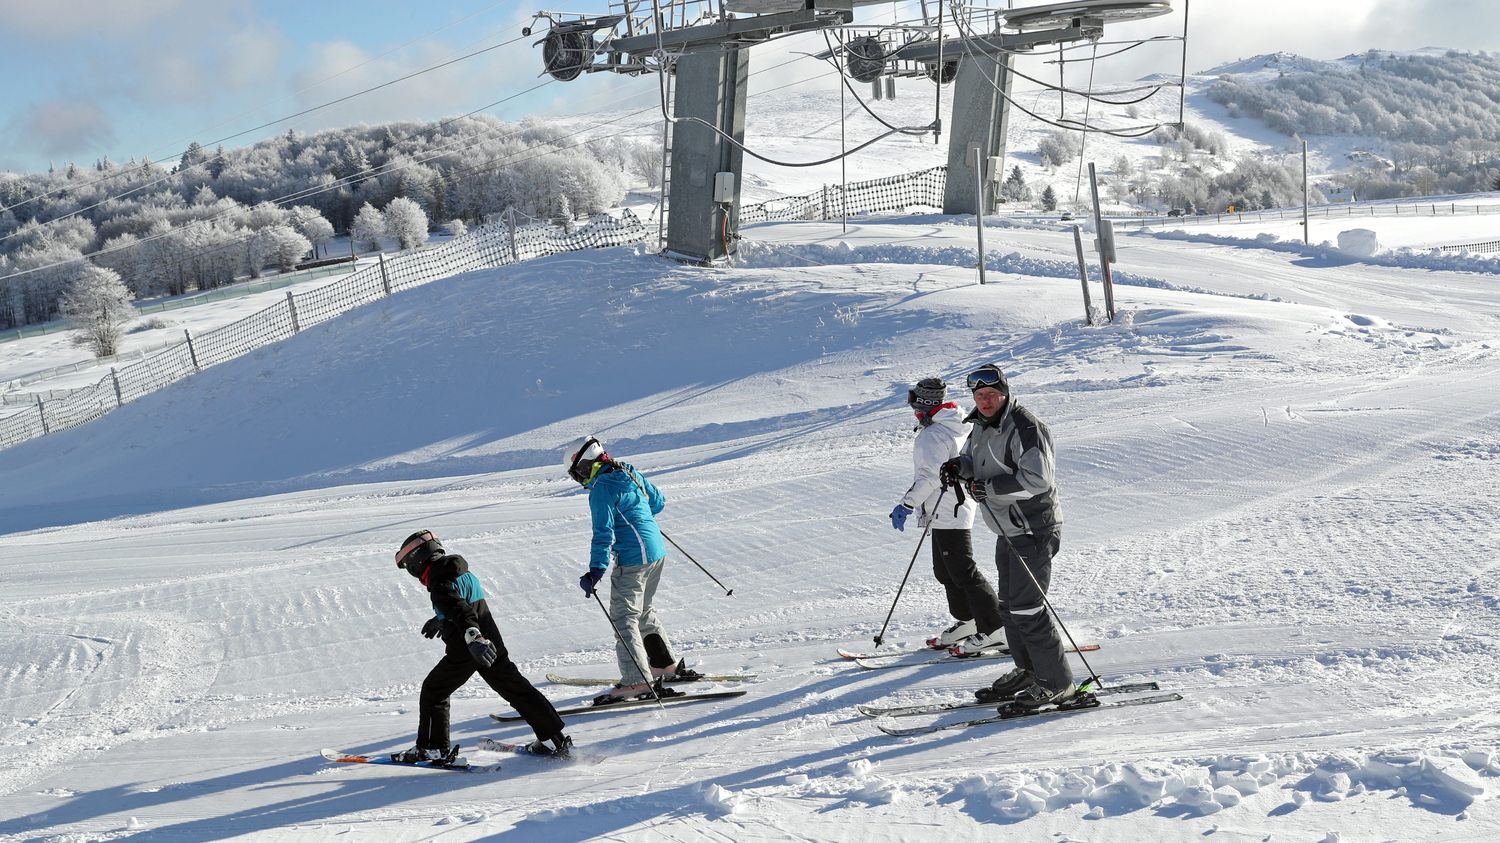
(1277, 469)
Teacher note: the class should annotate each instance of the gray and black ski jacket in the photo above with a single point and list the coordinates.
(1013, 454)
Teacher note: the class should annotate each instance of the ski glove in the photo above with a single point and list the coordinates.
(898, 516)
(979, 490)
(948, 475)
(480, 647)
(590, 581)
(433, 628)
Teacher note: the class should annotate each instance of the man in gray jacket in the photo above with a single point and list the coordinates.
(1008, 467)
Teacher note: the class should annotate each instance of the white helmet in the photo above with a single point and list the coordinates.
(579, 457)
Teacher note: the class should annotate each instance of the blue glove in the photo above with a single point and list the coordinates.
(898, 516)
(590, 581)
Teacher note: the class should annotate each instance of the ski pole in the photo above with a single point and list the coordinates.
(880, 637)
(628, 651)
(728, 592)
(1093, 677)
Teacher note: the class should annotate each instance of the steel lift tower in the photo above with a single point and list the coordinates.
(700, 50)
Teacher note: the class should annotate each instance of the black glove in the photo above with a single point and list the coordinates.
(948, 474)
(433, 628)
(979, 490)
(480, 647)
(590, 581)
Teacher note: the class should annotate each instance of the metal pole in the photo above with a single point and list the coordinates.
(844, 159)
(1083, 276)
(880, 636)
(1187, 5)
(1109, 289)
(728, 592)
(979, 204)
(628, 651)
(1306, 234)
(937, 116)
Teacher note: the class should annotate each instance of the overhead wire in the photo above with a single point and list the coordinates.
(510, 158)
(301, 113)
(1133, 132)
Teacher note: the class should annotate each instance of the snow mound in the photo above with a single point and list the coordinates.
(1361, 242)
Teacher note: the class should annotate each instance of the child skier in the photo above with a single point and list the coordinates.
(971, 601)
(462, 619)
(624, 506)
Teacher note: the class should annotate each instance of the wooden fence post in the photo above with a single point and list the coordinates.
(192, 353)
(115, 376)
(385, 281)
(41, 410)
(292, 305)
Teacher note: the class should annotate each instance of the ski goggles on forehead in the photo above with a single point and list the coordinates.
(982, 378)
(416, 541)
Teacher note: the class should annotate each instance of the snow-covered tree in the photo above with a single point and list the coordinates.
(284, 246)
(1049, 199)
(405, 221)
(1014, 189)
(309, 222)
(1057, 148)
(457, 228)
(369, 224)
(97, 304)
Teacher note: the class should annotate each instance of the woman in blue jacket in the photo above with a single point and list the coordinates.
(624, 506)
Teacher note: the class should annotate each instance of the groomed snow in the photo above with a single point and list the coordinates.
(1277, 472)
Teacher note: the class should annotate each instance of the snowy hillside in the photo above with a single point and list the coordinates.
(1277, 474)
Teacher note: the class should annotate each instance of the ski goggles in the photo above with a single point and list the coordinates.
(582, 468)
(417, 541)
(987, 377)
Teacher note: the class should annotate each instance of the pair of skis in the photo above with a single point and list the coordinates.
(883, 661)
(455, 762)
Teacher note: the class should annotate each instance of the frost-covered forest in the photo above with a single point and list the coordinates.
(1435, 117)
(214, 215)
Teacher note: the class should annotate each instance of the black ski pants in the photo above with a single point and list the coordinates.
(970, 597)
(455, 669)
(1029, 630)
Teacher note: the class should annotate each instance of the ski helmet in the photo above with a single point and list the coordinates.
(418, 551)
(580, 456)
(988, 376)
(928, 393)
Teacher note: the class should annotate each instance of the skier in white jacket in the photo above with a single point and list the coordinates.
(941, 435)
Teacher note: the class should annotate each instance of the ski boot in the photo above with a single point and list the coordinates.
(977, 643)
(557, 746)
(1004, 689)
(678, 672)
(952, 635)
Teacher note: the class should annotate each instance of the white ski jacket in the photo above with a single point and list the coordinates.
(936, 444)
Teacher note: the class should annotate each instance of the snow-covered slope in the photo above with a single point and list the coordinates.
(1278, 478)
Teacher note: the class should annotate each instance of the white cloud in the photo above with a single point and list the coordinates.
(62, 127)
(46, 19)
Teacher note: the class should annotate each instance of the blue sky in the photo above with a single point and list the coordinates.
(130, 78)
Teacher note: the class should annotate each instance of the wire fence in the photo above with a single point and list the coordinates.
(1350, 210)
(1489, 247)
(923, 188)
(483, 247)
